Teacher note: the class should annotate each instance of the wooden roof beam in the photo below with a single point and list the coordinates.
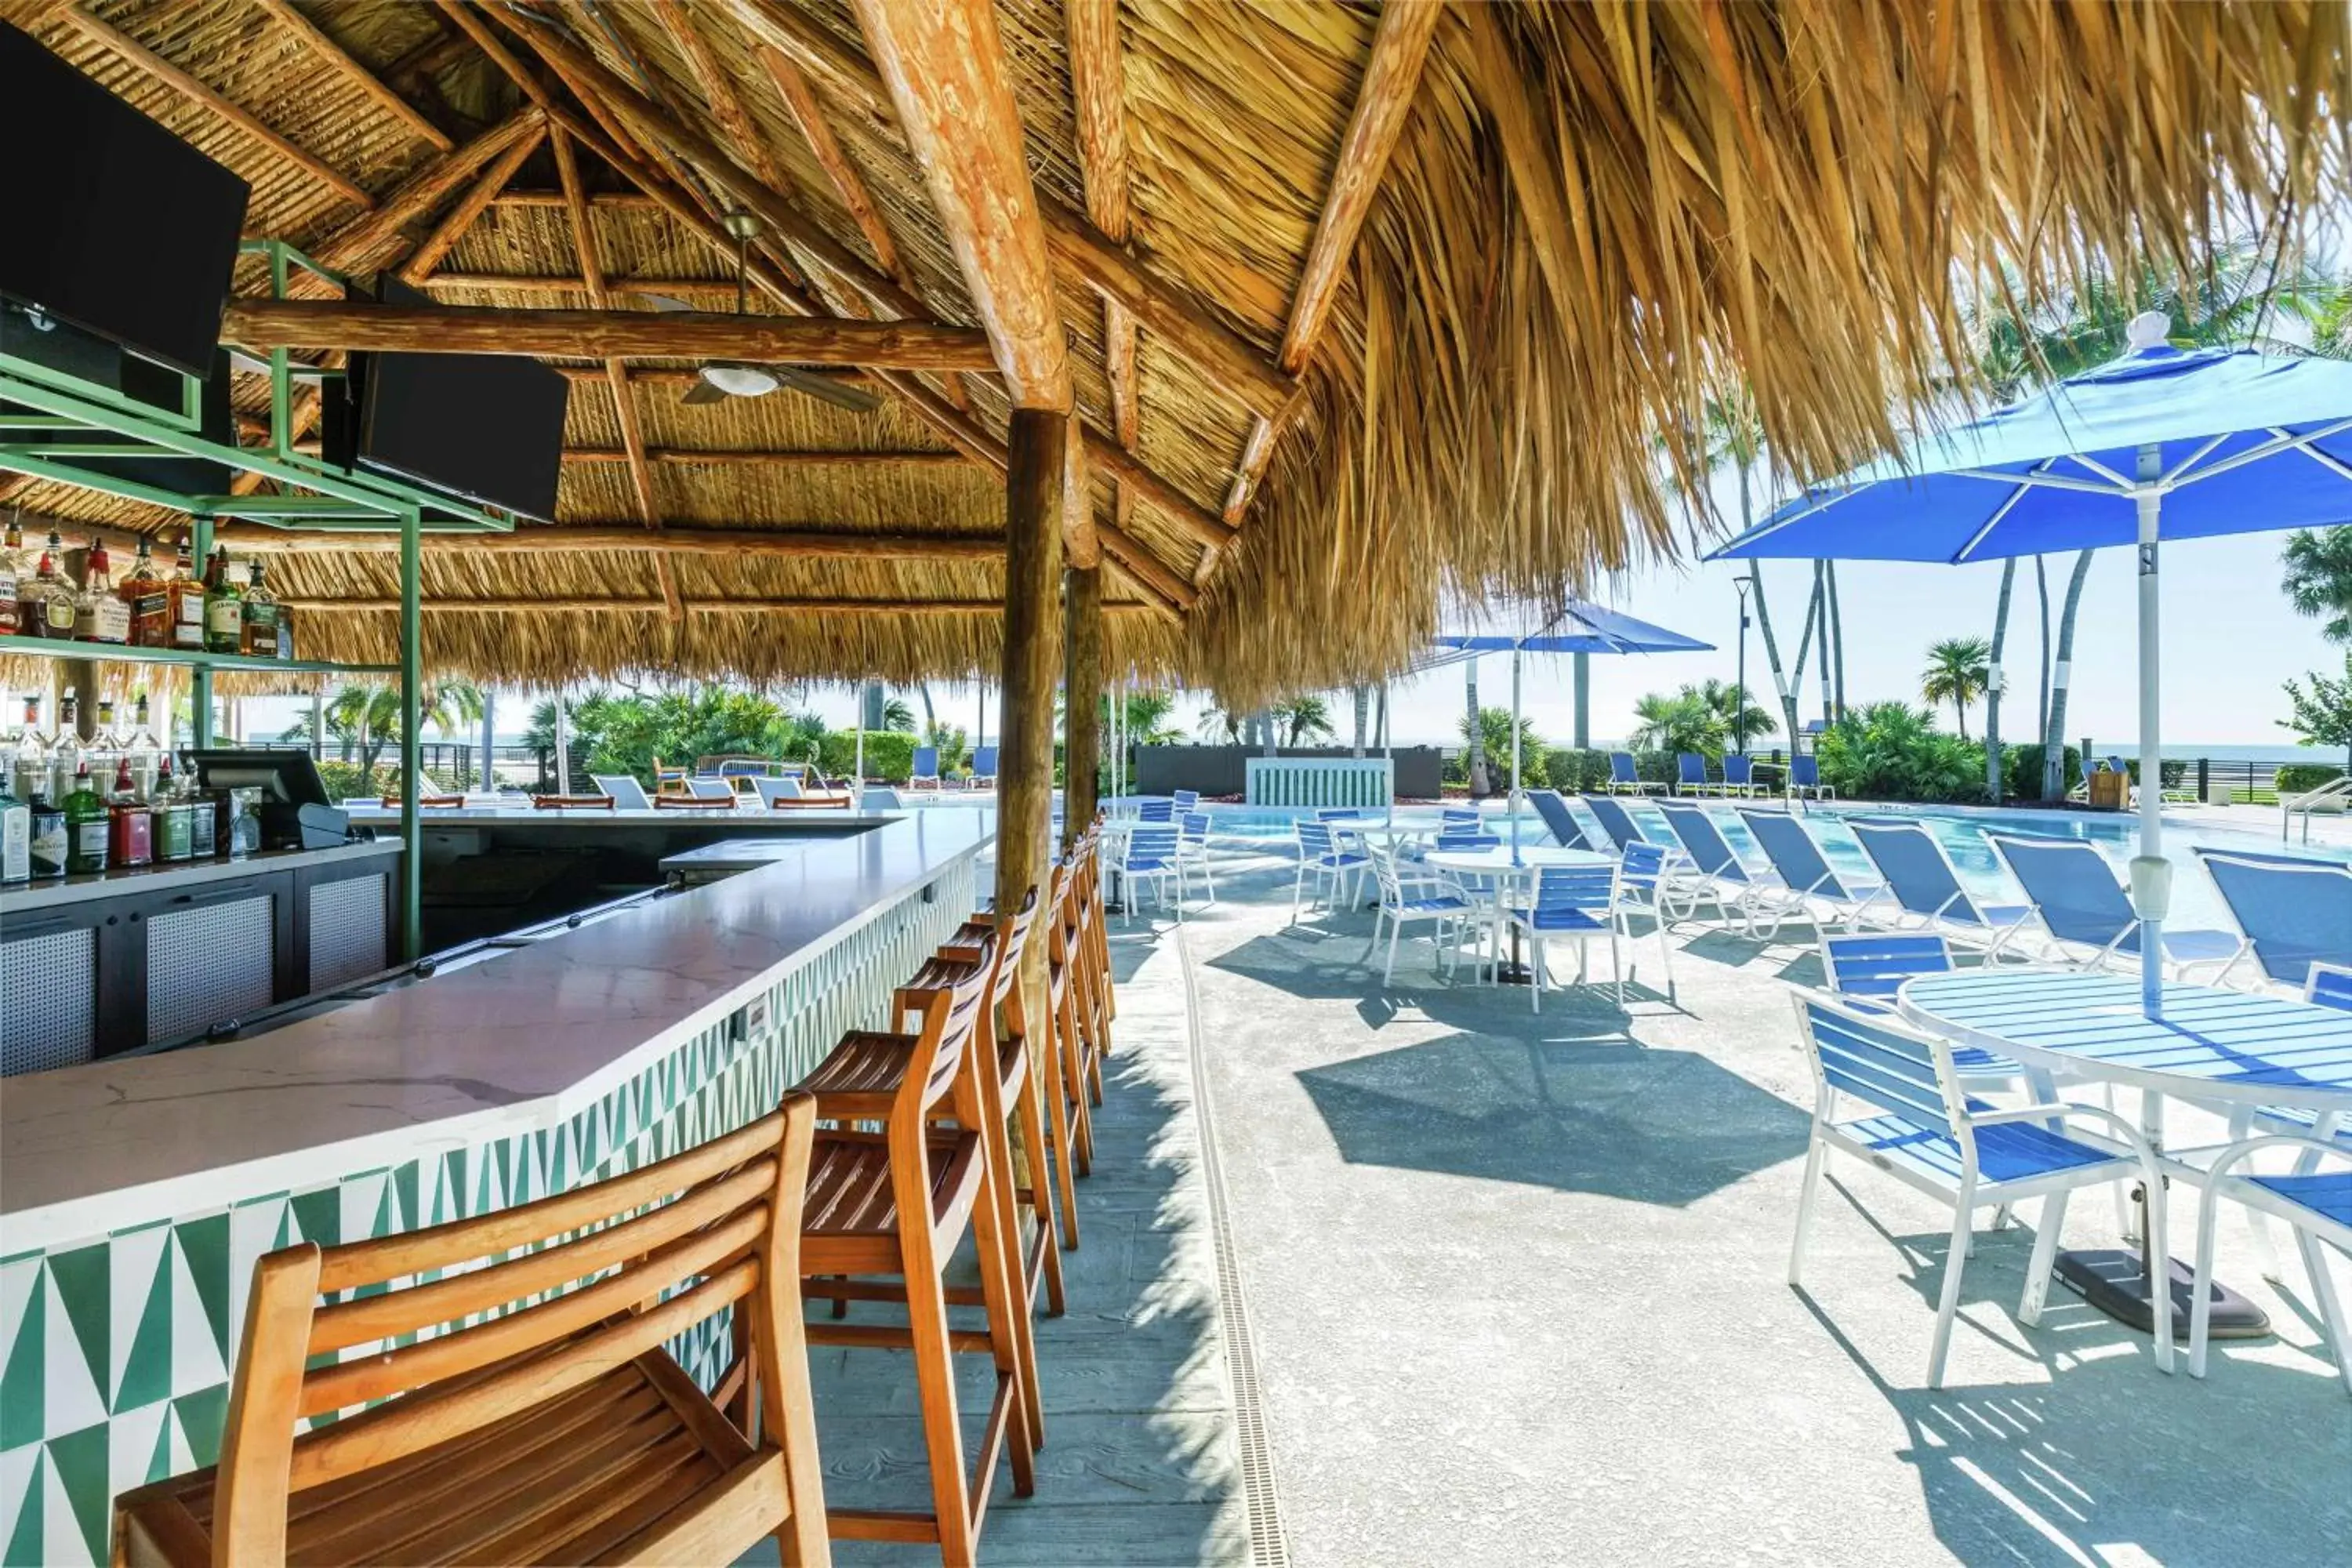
(1098, 87)
(471, 205)
(944, 65)
(687, 289)
(600, 334)
(1392, 77)
(703, 457)
(603, 539)
(359, 242)
(990, 607)
(633, 201)
(136, 54)
(358, 75)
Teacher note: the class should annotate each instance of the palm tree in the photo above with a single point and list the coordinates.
(1303, 719)
(1363, 696)
(2318, 582)
(2054, 734)
(1993, 683)
(1956, 674)
(1474, 760)
(1735, 435)
(1742, 719)
(1685, 721)
(897, 717)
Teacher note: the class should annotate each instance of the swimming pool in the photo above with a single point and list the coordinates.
(1961, 832)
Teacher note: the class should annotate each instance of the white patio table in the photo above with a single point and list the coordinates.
(2206, 1045)
(1509, 867)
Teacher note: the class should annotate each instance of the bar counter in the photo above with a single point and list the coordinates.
(136, 1194)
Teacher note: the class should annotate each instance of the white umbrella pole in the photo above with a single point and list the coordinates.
(2151, 874)
(1513, 804)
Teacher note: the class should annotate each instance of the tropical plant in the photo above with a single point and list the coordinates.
(1302, 718)
(1892, 750)
(1685, 721)
(2054, 730)
(2318, 581)
(2323, 712)
(1956, 673)
(898, 718)
(364, 716)
(1493, 735)
(1743, 720)
(1474, 757)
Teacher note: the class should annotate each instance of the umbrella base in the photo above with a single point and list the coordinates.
(1513, 974)
(2115, 1280)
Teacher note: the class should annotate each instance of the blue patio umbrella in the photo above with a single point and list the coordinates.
(1578, 628)
(2163, 443)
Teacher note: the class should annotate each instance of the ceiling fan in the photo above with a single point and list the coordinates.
(722, 379)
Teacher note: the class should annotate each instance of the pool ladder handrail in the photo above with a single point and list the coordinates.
(2338, 789)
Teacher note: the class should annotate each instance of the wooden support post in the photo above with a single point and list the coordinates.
(1033, 569)
(1082, 684)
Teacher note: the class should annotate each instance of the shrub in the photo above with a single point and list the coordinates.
(1576, 772)
(2299, 778)
(344, 780)
(889, 754)
(2021, 771)
(1892, 750)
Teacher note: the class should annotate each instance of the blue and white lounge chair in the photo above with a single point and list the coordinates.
(1460, 819)
(1690, 775)
(1623, 780)
(1184, 800)
(1552, 807)
(773, 789)
(1151, 854)
(2316, 1200)
(1815, 890)
(1333, 868)
(1738, 775)
(711, 790)
(1615, 820)
(2086, 913)
(1412, 894)
(627, 794)
(1920, 1126)
(2294, 913)
(1923, 891)
(984, 768)
(924, 771)
(1155, 808)
(1721, 880)
(1573, 904)
(1805, 778)
(1868, 968)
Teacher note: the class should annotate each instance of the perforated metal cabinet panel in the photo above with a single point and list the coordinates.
(210, 963)
(48, 1001)
(347, 930)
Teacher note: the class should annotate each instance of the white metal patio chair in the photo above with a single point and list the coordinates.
(1921, 1127)
(1151, 854)
(1411, 893)
(1572, 903)
(1334, 870)
(2317, 1203)
(1192, 852)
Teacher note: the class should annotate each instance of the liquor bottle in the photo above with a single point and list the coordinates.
(223, 606)
(32, 764)
(262, 613)
(86, 826)
(48, 847)
(187, 614)
(99, 614)
(65, 750)
(148, 597)
(12, 550)
(44, 606)
(16, 822)
(129, 831)
(105, 742)
(143, 749)
(173, 816)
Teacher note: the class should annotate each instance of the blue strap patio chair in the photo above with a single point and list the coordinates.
(1615, 820)
(1690, 775)
(1923, 891)
(1192, 850)
(1719, 877)
(1576, 903)
(1461, 839)
(1412, 894)
(1805, 779)
(1867, 968)
(1552, 807)
(1184, 800)
(1643, 882)
(1623, 780)
(1815, 888)
(2294, 913)
(2317, 1203)
(1152, 854)
(2086, 914)
(984, 768)
(1460, 816)
(1155, 808)
(1738, 775)
(2325, 985)
(1920, 1126)
(925, 769)
(1334, 869)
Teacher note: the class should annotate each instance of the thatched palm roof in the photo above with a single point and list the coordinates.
(1575, 222)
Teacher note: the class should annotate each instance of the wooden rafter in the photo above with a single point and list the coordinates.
(992, 608)
(1098, 86)
(360, 241)
(600, 335)
(632, 200)
(720, 92)
(154, 65)
(358, 75)
(1392, 77)
(944, 65)
(689, 288)
(471, 205)
(699, 457)
(595, 539)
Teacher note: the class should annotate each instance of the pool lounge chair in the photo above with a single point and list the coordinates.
(1622, 780)
(1615, 820)
(2086, 915)
(1552, 807)
(1805, 779)
(2294, 913)
(1923, 891)
(924, 773)
(1721, 879)
(984, 768)
(627, 794)
(1815, 890)
(716, 790)
(1690, 775)
(773, 789)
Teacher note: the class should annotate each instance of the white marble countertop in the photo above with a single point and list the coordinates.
(757, 818)
(25, 898)
(732, 854)
(513, 1045)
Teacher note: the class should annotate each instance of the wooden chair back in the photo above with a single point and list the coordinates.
(392, 802)
(695, 803)
(950, 999)
(1005, 993)
(723, 1220)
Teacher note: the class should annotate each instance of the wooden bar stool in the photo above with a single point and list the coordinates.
(885, 1212)
(1089, 991)
(558, 1431)
(1066, 966)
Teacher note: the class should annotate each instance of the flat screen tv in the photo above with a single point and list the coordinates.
(114, 223)
(488, 427)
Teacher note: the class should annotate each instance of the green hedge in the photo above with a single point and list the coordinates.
(344, 780)
(2021, 770)
(889, 754)
(2299, 778)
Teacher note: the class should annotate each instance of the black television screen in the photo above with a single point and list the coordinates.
(485, 427)
(114, 223)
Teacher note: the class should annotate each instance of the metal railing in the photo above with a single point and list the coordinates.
(2333, 795)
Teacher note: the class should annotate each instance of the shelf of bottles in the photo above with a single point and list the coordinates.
(76, 806)
(227, 619)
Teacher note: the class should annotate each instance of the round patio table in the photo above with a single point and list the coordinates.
(1504, 863)
(2208, 1044)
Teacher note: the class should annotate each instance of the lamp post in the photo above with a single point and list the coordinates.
(1739, 702)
